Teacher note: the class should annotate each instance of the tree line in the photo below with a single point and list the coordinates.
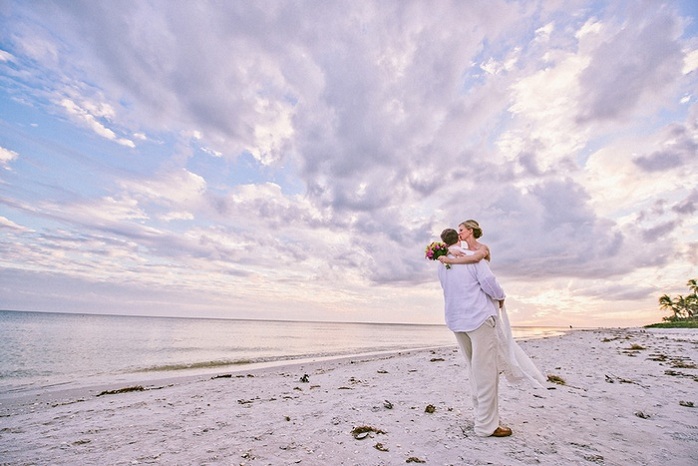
(684, 308)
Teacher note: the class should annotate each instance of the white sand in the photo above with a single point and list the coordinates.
(618, 407)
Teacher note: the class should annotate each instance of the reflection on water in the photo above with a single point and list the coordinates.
(528, 333)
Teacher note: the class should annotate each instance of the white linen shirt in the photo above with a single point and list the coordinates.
(469, 291)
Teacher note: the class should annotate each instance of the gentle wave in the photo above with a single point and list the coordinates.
(196, 365)
(215, 364)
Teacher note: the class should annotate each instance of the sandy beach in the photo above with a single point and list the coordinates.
(623, 396)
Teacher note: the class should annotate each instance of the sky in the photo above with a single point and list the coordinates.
(293, 159)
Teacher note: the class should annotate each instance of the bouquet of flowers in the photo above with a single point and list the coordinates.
(436, 250)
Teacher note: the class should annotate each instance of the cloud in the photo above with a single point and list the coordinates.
(285, 149)
(6, 56)
(7, 156)
(178, 188)
(279, 85)
(680, 148)
(637, 62)
(85, 116)
(9, 224)
(170, 216)
(690, 61)
(689, 205)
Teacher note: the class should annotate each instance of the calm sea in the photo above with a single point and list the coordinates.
(40, 351)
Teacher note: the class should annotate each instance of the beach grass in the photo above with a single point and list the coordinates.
(675, 324)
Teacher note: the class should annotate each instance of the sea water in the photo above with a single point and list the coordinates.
(43, 350)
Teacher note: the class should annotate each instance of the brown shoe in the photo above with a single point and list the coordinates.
(501, 432)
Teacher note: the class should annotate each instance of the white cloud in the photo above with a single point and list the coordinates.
(544, 103)
(6, 56)
(563, 140)
(83, 115)
(37, 47)
(212, 152)
(171, 216)
(273, 132)
(690, 61)
(180, 188)
(591, 27)
(7, 156)
(7, 223)
(108, 211)
(617, 83)
(126, 142)
(543, 33)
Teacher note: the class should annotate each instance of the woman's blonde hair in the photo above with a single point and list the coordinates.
(473, 225)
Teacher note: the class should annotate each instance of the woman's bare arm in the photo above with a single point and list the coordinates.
(477, 256)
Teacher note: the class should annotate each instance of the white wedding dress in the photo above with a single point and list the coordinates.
(513, 361)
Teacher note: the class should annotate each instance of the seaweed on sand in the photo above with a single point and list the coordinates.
(136, 388)
(361, 432)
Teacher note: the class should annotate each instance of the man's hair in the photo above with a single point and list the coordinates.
(449, 236)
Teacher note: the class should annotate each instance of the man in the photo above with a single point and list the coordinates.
(470, 312)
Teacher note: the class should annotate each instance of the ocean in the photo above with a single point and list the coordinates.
(43, 351)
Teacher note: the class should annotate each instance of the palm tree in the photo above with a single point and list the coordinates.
(692, 299)
(665, 302)
(681, 306)
(692, 306)
(684, 308)
(693, 286)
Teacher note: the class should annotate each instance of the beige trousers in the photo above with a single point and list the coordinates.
(480, 349)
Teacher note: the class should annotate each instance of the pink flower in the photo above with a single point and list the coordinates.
(435, 250)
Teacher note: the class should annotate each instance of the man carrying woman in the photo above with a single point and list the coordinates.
(474, 312)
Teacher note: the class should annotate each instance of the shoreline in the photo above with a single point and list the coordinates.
(67, 382)
(625, 400)
(62, 390)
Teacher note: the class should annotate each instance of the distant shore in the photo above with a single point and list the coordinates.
(624, 396)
